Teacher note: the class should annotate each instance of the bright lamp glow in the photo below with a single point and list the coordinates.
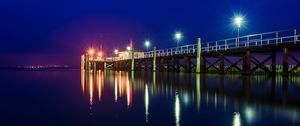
(116, 51)
(147, 43)
(100, 54)
(91, 51)
(178, 36)
(128, 48)
(239, 21)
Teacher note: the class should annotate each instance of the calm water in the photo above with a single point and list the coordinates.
(75, 97)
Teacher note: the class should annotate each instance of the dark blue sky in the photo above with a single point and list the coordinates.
(58, 31)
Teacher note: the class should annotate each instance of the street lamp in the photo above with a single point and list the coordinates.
(238, 21)
(116, 51)
(147, 44)
(178, 37)
(100, 55)
(128, 48)
(91, 51)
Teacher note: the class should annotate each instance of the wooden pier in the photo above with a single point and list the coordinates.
(247, 55)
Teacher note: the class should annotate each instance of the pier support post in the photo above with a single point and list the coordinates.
(203, 64)
(247, 63)
(222, 64)
(273, 65)
(132, 60)
(154, 60)
(187, 64)
(285, 63)
(104, 65)
(198, 70)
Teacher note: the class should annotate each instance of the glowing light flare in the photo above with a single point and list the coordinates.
(178, 36)
(128, 48)
(147, 43)
(99, 54)
(238, 21)
(116, 51)
(91, 51)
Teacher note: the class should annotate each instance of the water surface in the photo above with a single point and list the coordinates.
(74, 97)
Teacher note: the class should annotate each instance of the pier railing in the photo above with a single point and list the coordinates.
(261, 39)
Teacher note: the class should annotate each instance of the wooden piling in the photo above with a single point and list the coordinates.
(285, 63)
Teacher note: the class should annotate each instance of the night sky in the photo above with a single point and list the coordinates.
(57, 31)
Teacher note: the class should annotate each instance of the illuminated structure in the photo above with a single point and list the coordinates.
(195, 57)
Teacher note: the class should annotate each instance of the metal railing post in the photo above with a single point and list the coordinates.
(261, 37)
(207, 46)
(295, 36)
(248, 41)
(225, 44)
(276, 38)
(236, 42)
(216, 45)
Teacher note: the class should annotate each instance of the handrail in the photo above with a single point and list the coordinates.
(260, 39)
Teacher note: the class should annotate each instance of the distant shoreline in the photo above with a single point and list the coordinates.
(39, 69)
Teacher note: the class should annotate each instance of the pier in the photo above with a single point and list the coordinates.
(247, 55)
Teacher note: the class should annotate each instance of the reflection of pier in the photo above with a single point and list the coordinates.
(224, 92)
(278, 90)
(250, 54)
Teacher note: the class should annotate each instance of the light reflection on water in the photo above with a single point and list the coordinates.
(250, 99)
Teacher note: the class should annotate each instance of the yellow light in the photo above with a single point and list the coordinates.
(100, 54)
(91, 51)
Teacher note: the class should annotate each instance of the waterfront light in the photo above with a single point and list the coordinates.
(100, 54)
(116, 51)
(178, 37)
(91, 51)
(238, 21)
(147, 44)
(128, 48)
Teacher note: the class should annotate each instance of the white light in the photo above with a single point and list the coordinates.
(146, 103)
(128, 48)
(147, 43)
(238, 20)
(177, 110)
(116, 51)
(178, 36)
(236, 119)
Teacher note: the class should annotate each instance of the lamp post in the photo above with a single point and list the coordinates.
(116, 51)
(147, 44)
(238, 21)
(178, 37)
(91, 53)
